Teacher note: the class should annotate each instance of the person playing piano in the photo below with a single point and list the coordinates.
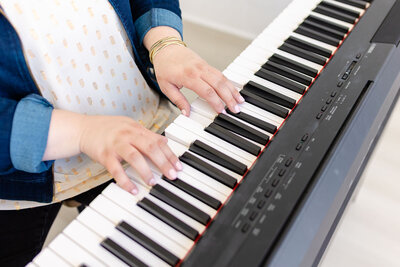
(81, 95)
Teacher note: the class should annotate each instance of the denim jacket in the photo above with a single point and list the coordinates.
(25, 115)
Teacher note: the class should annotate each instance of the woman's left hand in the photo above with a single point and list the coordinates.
(177, 66)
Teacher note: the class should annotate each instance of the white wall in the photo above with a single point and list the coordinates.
(245, 18)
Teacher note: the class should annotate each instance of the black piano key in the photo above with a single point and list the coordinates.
(317, 35)
(334, 14)
(232, 138)
(287, 72)
(355, 3)
(216, 156)
(280, 80)
(147, 243)
(303, 53)
(327, 23)
(294, 65)
(208, 169)
(254, 121)
(309, 46)
(343, 10)
(323, 29)
(194, 192)
(169, 219)
(83, 265)
(178, 203)
(121, 253)
(269, 94)
(264, 104)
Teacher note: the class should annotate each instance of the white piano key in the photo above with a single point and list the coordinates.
(203, 108)
(88, 239)
(47, 258)
(332, 20)
(72, 252)
(200, 119)
(128, 202)
(116, 214)
(268, 116)
(182, 135)
(250, 125)
(105, 228)
(346, 6)
(31, 264)
(212, 140)
(315, 42)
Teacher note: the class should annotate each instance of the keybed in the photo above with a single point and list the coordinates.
(160, 225)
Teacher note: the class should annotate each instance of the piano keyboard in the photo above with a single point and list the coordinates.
(160, 225)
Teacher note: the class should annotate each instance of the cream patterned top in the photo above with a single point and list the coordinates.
(81, 60)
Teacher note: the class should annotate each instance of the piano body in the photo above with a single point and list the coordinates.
(268, 186)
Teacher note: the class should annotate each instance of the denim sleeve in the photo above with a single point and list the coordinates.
(29, 134)
(157, 17)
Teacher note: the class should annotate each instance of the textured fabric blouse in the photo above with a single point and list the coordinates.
(81, 60)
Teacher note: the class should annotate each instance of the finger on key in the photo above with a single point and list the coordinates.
(137, 161)
(116, 170)
(171, 156)
(205, 91)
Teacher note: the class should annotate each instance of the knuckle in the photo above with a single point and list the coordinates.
(190, 72)
(134, 156)
(152, 147)
(209, 92)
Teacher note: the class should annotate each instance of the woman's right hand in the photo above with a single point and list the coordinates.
(112, 139)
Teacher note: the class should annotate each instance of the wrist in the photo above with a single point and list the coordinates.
(157, 33)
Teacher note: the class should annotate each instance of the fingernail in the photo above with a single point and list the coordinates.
(172, 173)
(223, 111)
(184, 112)
(237, 109)
(134, 191)
(179, 166)
(152, 182)
(241, 99)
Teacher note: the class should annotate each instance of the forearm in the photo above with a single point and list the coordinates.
(158, 33)
(64, 135)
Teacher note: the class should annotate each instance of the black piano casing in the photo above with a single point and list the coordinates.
(325, 171)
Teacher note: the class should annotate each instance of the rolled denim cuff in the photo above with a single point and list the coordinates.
(157, 17)
(29, 134)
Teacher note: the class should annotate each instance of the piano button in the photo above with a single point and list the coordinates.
(304, 54)
(253, 215)
(328, 101)
(281, 80)
(268, 193)
(288, 162)
(47, 258)
(200, 195)
(316, 35)
(326, 21)
(324, 108)
(147, 243)
(168, 218)
(261, 204)
(340, 84)
(71, 252)
(241, 129)
(324, 30)
(264, 104)
(121, 253)
(236, 140)
(89, 240)
(339, 8)
(183, 202)
(289, 73)
(269, 94)
(355, 3)
(129, 202)
(334, 14)
(319, 115)
(254, 121)
(305, 137)
(275, 182)
(106, 229)
(204, 150)
(209, 170)
(309, 46)
(245, 227)
(294, 65)
(299, 146)
(333, 94)
(116, 214)
(282, 172)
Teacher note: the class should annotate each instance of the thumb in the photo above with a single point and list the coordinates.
(176, 96)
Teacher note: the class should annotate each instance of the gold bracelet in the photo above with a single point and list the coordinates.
(162, 43)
